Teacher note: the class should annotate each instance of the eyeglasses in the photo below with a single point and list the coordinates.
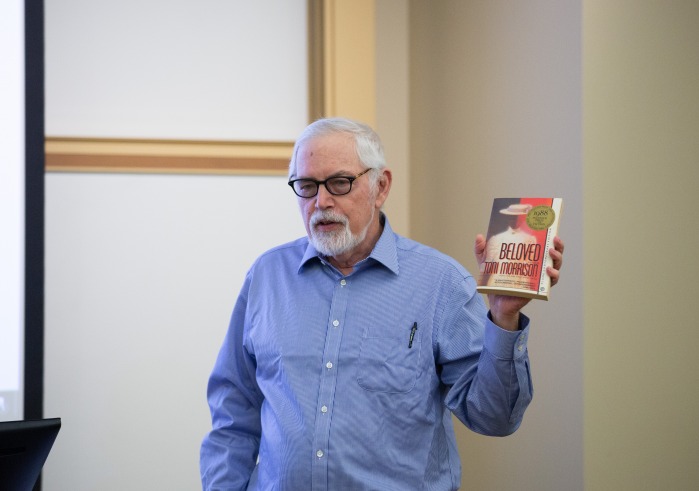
(339, 185)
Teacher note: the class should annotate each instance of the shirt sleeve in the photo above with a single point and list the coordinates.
(229, 451)
(485, 367)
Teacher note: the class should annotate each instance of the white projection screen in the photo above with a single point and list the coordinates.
(21, 209)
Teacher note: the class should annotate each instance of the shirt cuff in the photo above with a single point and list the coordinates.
(504, 344)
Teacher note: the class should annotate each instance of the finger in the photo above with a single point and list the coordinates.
(479, 246)
(554, 274)
(557, 258)
(558, 244)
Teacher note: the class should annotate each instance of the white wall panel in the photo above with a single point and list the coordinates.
(181, 69)
(142, 272)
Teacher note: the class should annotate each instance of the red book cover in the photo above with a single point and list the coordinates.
(520, 235)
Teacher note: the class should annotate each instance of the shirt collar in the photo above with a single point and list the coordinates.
(385, 251)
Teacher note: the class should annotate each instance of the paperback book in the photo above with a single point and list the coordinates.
(520, 235)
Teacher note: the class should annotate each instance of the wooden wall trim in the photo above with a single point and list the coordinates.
(166, 156)
(349, 59)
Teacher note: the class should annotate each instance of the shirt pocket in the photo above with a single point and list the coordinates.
(390, 363)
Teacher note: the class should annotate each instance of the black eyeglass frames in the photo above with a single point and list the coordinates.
(337, 186)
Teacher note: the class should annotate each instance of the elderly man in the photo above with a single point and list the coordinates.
(348, 350)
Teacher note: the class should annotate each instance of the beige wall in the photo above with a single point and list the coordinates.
(596, 101)
(392, 92)
(641, 147)
(496, 111)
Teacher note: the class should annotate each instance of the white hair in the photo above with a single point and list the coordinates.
(366, 142)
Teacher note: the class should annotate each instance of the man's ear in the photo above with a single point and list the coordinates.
(383, 187)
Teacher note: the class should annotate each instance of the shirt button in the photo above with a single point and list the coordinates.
(319, 453)
(336, 323)
(520, 347)
(343, 282)
(329, 364)
(324, 409)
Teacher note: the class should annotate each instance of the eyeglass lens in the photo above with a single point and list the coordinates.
(336, 185)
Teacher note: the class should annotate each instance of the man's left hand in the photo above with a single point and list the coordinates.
(504, 309)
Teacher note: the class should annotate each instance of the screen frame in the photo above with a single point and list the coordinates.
(34, 210)
(24, 448)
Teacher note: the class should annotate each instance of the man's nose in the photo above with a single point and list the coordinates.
(324, 199)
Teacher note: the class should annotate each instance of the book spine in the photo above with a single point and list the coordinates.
(545, 279)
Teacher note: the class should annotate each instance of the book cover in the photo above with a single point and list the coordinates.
(520, 235)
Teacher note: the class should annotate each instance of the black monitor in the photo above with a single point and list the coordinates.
(24, 446)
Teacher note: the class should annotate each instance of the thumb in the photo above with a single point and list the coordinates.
(479, 248)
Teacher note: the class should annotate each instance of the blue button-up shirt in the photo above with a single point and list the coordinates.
(333, 382)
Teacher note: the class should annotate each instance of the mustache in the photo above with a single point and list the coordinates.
(327, 216)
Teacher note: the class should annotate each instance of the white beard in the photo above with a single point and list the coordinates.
(335, 243)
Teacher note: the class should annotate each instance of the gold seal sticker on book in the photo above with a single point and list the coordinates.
(541, 217)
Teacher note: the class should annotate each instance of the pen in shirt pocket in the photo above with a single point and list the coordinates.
(412, 334)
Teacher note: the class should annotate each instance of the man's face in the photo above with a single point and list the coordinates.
(330, 156)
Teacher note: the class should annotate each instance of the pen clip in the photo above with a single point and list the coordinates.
(412, 334)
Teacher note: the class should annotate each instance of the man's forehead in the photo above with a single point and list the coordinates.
(333, 143)
(327, 153)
